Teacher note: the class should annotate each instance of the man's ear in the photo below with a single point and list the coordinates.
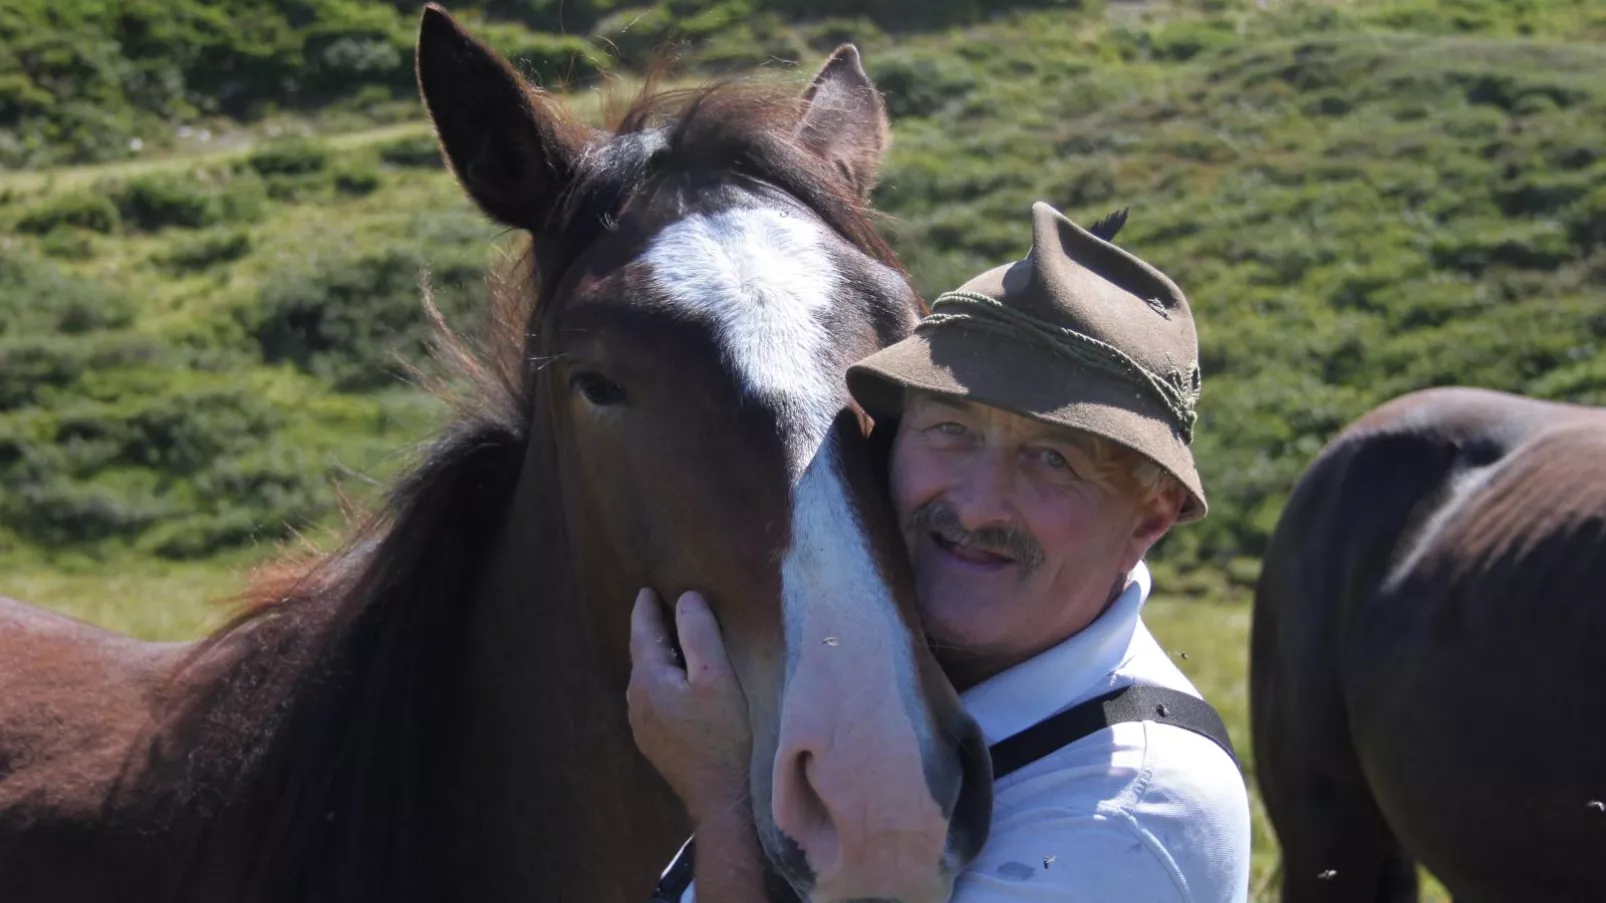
(845, 120)
(512, 149)
(1156, 517)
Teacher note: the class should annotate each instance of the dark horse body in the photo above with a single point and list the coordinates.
(1427, 667)
(438, 710)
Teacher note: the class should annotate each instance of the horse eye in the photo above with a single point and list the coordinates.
(598, 389)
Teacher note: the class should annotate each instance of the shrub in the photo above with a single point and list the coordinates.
(293, 156)
(342, 57)
(206, 251)
(59, 512)
(198, 461)
(417, 151)
(68, 244)
(38, 297)
(78, 209)
(34, 366)
(157, 202)
(919, 82)
(242, 197)
(357, 180)
(548, 59)
(264, 494)
(348, 318)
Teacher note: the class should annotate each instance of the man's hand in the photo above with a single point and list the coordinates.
(690, 722)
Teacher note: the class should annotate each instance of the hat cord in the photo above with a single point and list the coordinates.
(977, 311)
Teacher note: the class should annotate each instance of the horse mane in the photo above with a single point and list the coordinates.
(303, 729)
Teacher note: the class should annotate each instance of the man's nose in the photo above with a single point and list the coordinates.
(981, 498)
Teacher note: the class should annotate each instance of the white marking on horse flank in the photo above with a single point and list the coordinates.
(764, 280)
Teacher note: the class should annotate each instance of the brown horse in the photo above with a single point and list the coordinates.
(438, 711)
(1427, 676)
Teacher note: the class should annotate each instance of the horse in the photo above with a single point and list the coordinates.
(436, 710)
(1426, 666)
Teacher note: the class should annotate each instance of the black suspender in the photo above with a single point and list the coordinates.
(1127, 704)
(1118, 706)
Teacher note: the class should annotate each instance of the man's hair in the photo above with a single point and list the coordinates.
(1133, 473)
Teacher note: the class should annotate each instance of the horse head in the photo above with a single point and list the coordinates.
(704, 274)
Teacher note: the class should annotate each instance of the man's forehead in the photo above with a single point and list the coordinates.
(916, 398)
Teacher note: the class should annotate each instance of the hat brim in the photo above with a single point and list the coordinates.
(1032, 381)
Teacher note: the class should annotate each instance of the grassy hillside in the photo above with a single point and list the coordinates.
(96, 80)
(1354, 212)
(202, 341)
(1360, 199)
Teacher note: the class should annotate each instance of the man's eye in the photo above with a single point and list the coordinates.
(950, 429)
(1053, 460)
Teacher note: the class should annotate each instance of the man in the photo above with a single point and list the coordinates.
(1043, 419)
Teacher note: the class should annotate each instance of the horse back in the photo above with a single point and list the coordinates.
(1378, 500)
(73, 701)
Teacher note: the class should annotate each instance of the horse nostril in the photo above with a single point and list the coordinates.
(973, 810)
(801, 814)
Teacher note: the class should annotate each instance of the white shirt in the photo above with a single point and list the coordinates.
(1135, 812)
(1140, 812)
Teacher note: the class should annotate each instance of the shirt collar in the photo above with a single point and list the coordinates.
(1063, 675)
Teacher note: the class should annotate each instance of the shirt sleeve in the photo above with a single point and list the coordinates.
(1086, 858)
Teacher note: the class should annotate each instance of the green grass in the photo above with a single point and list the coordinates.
(151, 600)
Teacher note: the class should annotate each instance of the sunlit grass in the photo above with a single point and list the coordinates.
(146, 598)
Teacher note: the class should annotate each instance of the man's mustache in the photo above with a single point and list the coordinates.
(936, 516)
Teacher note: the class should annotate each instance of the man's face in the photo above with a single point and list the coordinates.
(1017, 539)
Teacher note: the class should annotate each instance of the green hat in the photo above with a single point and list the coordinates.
(1080, 334)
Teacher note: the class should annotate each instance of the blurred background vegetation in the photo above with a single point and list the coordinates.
(214, 215)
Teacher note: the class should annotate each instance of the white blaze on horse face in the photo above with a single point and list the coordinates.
(852, 709)
(763, 279)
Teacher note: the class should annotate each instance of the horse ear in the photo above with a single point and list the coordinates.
(845, 120)
(512, 151)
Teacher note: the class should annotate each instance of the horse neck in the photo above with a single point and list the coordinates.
(301, 748)
(556, 802)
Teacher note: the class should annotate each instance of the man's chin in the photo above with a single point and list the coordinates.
(962, 630)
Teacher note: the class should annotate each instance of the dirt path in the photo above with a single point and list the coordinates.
(30, 181)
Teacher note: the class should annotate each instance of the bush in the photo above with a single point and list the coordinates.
(200, 464)
(32, 367)
(206, 251)
(154, 202)
(79, 210)
(547, 59)
(920, 82)
(242, 197)
(357, 180)
(68, 244)
(294, 156)
(418, 151)
(57, 513)
(255, 496)
(348, 318)
(38, 297)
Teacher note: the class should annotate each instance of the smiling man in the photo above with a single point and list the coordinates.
(1042, 418)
